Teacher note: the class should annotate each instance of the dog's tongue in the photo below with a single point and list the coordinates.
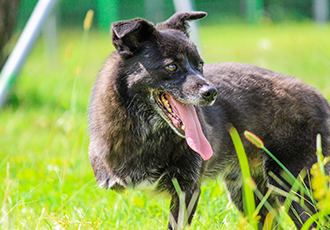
(194, 135)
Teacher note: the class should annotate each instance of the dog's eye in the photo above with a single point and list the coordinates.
(200, 66)
(171, 68)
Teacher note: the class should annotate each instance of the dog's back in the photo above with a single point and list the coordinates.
(281, 110)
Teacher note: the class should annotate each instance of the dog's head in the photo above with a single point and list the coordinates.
(163, 66)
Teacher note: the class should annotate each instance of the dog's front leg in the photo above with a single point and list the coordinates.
(183, 207)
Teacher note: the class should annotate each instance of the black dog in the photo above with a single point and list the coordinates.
(154, 116)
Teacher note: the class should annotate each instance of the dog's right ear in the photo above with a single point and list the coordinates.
(179, 21)
(128, 36)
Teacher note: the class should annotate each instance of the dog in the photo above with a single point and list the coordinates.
(157, 113)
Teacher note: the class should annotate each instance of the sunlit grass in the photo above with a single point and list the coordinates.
(46, 179)
(318, 195)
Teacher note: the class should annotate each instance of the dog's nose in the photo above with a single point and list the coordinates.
(208, 93)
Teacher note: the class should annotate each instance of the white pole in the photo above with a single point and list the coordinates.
(49, 33)
(23, 46)
(321, 11)
(186, 5)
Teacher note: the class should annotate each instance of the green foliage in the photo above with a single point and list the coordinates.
(319, 195)
(46, 179)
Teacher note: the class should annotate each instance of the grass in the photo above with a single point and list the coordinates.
(318, 194)
(46, 181)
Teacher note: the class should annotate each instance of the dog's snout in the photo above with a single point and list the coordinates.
(208, 93)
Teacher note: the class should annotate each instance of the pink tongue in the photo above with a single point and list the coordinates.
(194, 135)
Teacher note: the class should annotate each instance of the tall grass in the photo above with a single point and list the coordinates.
(320, 194)
(248, 197)
(46, 179)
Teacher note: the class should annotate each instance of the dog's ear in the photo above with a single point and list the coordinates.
(179, 20)
(128, 36)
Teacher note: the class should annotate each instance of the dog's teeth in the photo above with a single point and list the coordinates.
(166, 103)
(167, 107)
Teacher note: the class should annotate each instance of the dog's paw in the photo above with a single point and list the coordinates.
(112, 182)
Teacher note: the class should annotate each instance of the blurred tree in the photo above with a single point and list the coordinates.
(8, 17)
(154, 10)
(108, 13)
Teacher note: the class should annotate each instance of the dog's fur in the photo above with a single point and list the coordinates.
(133, 142)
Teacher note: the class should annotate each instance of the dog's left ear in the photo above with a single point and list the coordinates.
(128, 36)
(179, 21)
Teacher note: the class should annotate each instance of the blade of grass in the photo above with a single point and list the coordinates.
(184, 212)
(87, 26)
(182, 215)
(269, 221)
(247, 179)
(40, 218)
(259, 144)
(314, 218)
(320, 184)
(20, 202)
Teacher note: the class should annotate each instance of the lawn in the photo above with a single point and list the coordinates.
(46, 179)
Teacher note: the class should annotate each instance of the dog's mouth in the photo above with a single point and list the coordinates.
(182, 118)
(176, 122)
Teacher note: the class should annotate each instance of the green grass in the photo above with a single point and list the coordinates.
(46, 181)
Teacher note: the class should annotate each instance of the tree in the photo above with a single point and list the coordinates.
(8, 16)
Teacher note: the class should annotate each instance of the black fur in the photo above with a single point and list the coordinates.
(132, 142)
